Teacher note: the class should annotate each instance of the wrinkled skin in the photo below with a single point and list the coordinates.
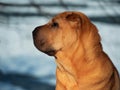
(54, 35)
(81, 62)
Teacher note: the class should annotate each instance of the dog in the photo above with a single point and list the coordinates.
(76, 45)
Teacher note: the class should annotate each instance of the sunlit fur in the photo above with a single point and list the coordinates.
(81, 61)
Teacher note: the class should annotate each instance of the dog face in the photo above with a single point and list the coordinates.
(59, 33)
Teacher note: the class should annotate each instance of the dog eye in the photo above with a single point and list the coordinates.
(55, 24)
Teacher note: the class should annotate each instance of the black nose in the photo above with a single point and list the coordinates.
(35, 31)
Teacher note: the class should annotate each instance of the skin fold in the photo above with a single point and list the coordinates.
(75, 43)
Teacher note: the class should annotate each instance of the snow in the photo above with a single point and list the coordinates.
(18, 54)
(14, 1)
(8, 86)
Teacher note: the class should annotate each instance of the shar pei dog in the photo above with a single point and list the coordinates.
(76, 45)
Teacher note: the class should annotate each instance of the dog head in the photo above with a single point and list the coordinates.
(61, 32)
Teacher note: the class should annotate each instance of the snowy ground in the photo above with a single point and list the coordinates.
(22, 66)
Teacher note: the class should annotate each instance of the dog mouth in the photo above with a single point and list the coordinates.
(50, 52)
(45, 49)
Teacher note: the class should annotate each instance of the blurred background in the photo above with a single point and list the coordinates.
(22, 66)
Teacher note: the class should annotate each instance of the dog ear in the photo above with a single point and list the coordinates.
(74, 19)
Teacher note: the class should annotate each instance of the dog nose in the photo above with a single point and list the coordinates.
(35, 31)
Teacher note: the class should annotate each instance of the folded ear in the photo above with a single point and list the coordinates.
(74, 19)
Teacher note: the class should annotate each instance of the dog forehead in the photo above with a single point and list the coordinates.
(69, 15)
(61, 18)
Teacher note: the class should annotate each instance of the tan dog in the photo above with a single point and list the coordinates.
(81, 62)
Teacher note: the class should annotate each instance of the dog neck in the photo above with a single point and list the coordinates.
(65, 74)
(65, 59)
(69, 63)
(77, 65)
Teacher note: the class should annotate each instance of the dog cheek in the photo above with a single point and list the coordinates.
(57, 46)
(70, 39)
